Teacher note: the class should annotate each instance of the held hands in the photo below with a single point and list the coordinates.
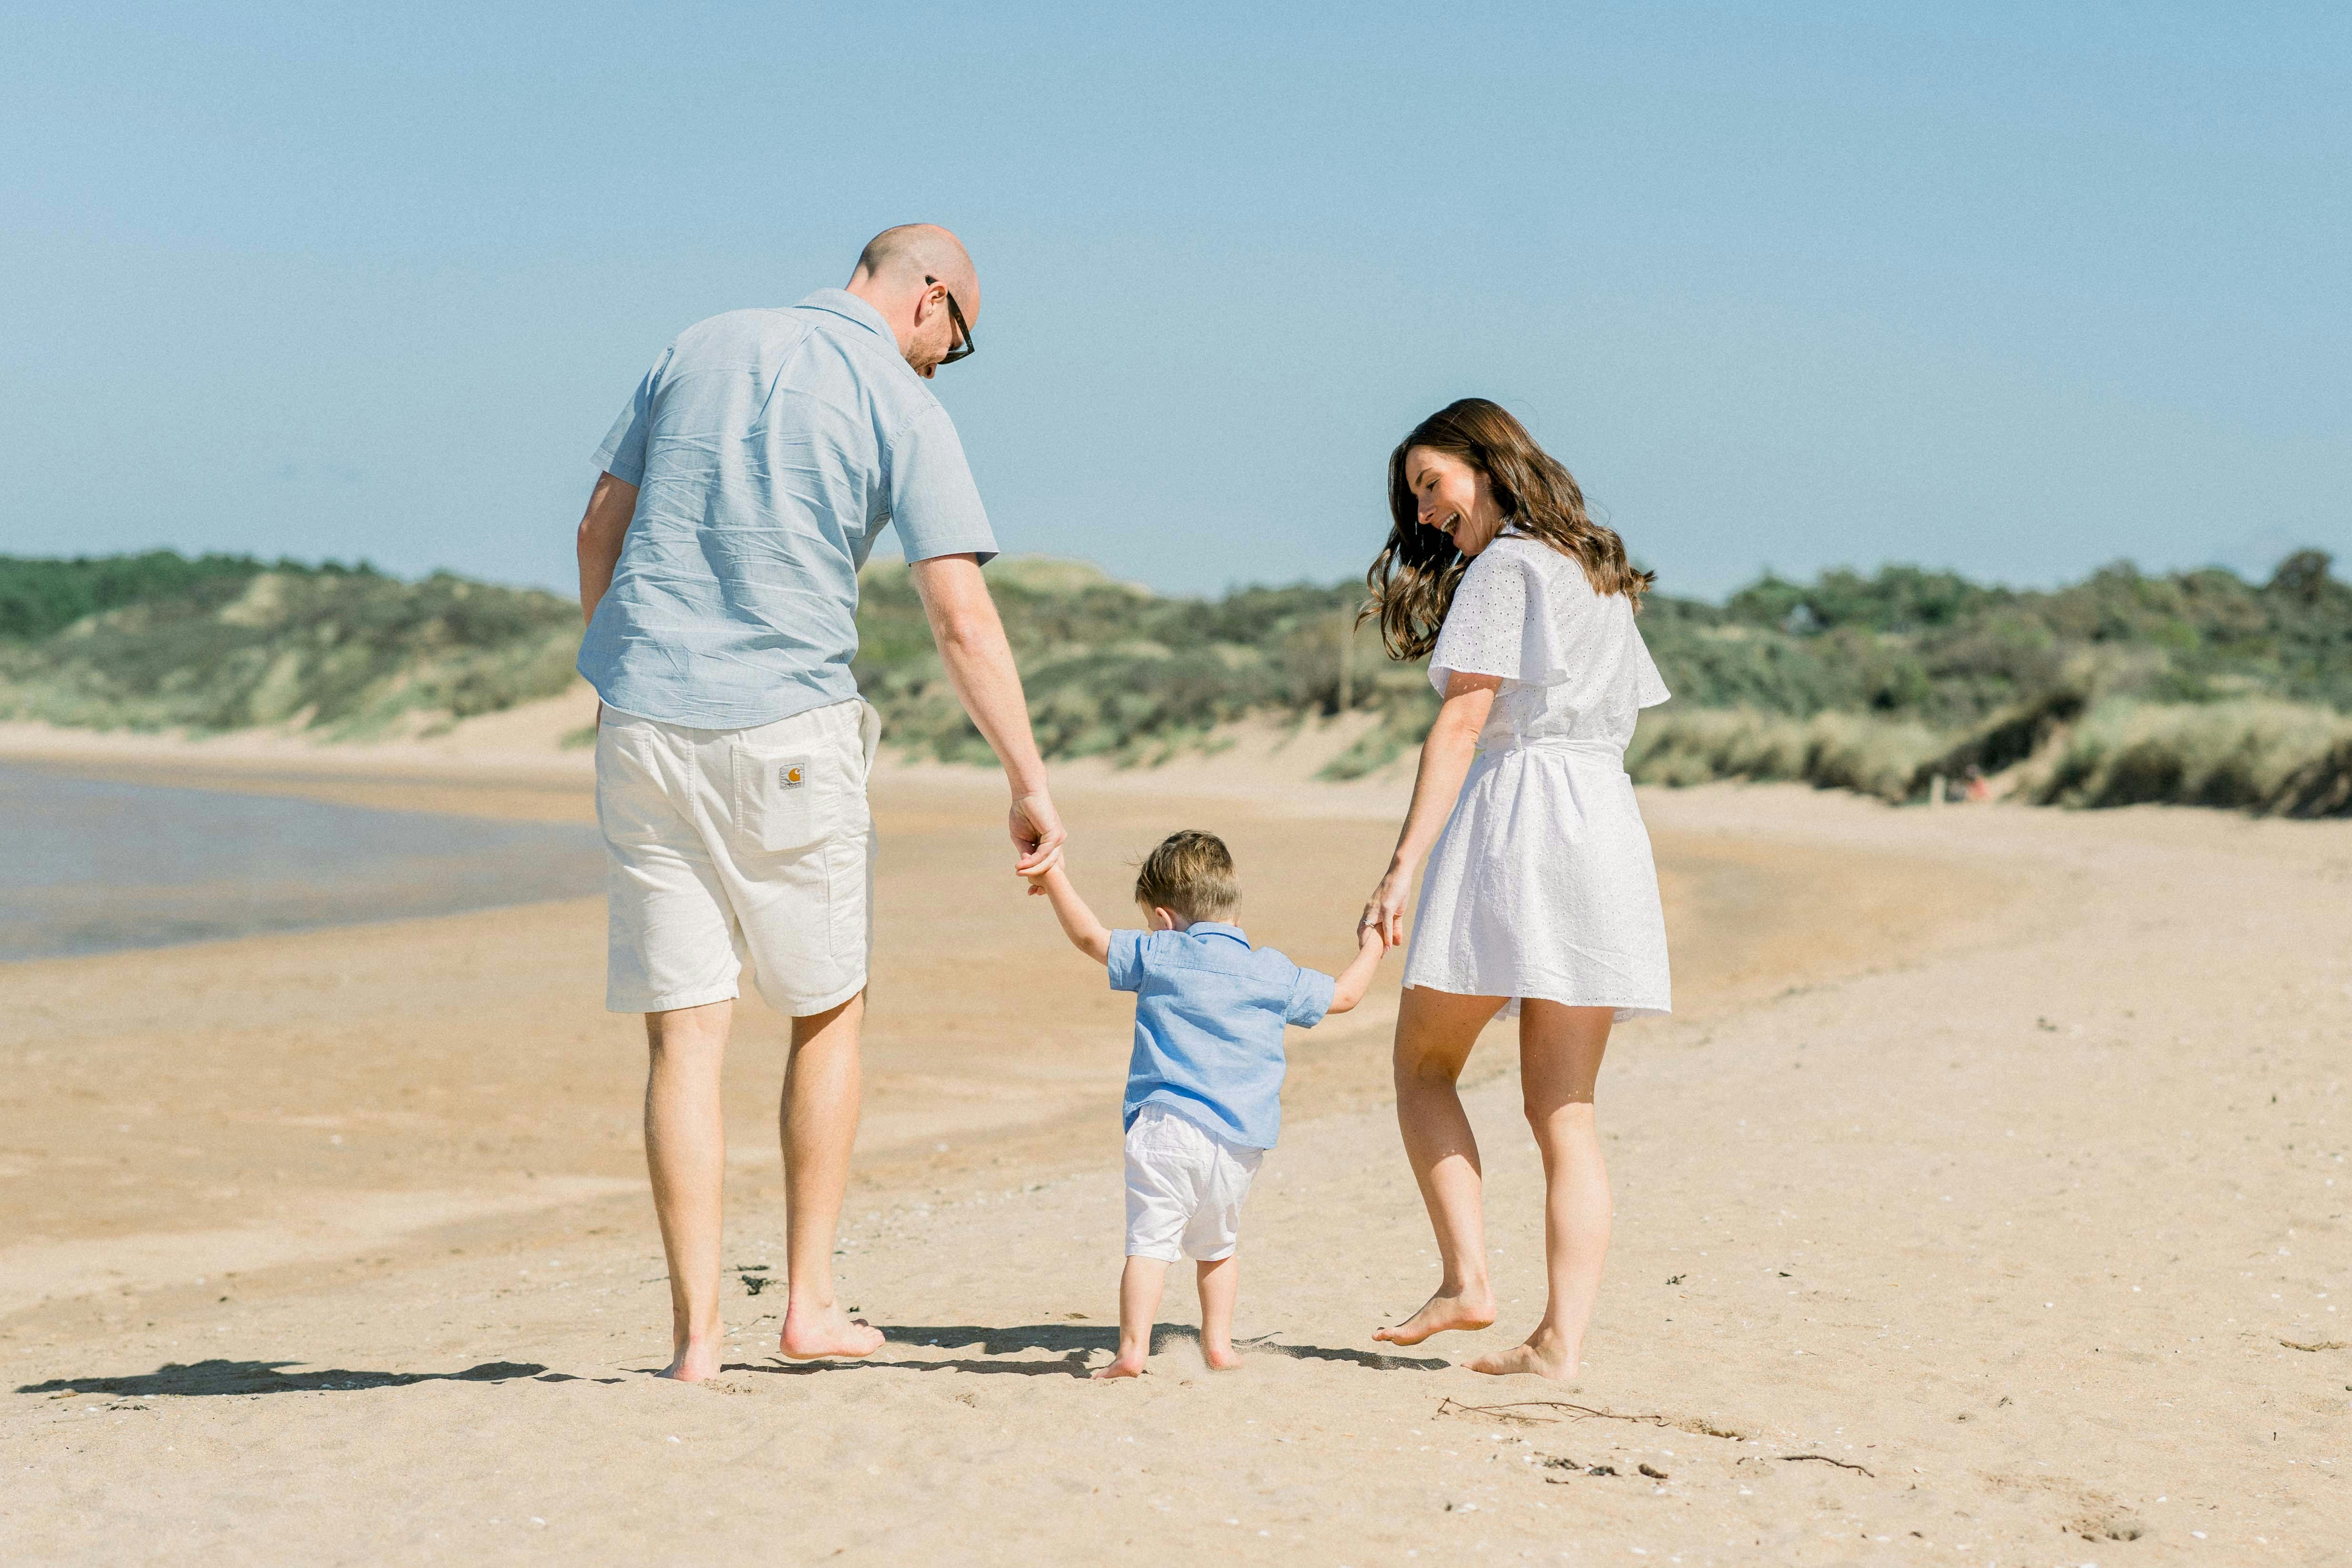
(1384, 911)
(1038, 837)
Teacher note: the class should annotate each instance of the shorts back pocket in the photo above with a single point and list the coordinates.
(775, 798)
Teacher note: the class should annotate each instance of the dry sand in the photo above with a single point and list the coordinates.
(1984, 1201)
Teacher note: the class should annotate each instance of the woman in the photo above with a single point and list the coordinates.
(1541, 896)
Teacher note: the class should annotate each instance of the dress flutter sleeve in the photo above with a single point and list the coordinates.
(1513, 619)
(1486, 625)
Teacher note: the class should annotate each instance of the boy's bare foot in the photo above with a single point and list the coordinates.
(692, 1364)
(1220, 1357)
(1544, 1355)
(1443, 1313)
(816, 1333)
(1122, 1367)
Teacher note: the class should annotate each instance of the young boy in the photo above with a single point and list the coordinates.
(1204, 1085)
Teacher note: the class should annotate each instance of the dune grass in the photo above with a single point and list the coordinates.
(2196, 687)
(1830, 750)
(2273, 757)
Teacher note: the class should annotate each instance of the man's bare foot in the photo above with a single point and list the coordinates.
(816, 1332)
(692, 1364)
(1122, 1367)
(1442, 1312)
(1220, 1357)
(1543, 1356)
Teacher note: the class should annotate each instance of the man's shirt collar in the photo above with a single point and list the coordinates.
(841, 302)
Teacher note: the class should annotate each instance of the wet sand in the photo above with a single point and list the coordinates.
(1959, 1163)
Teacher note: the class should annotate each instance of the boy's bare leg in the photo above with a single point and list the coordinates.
(818, 1122)
(685, 1154)
(1220, 1284)
(1139, 1285)
(1434, 1032)
(1559, 1059)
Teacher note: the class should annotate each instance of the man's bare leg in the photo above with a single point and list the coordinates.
(1434, 1032)
(685, 1154)
(818, 1121)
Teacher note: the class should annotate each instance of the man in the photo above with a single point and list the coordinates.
(742, 490)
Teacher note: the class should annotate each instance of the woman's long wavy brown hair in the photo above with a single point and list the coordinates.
(1413, 578)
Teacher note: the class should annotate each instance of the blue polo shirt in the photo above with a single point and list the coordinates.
(769, 448)
(1209, 1014)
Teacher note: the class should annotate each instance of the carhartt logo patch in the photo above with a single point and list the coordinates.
(789, 775)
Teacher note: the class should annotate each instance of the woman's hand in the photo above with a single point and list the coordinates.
(1436, 784)
(1384, 911)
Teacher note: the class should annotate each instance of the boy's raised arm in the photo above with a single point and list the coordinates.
(1348, 988)
(1087, 934)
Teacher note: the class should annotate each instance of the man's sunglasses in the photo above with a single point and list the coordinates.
(963, 343)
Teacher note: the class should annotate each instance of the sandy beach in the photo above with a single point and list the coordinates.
(1983, 1201)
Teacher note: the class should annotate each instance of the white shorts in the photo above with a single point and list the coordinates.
(724, 845)
(1184, 1188)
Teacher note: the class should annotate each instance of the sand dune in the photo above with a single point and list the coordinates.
(1987, 1191)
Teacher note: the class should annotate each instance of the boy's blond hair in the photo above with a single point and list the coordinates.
(1192, 873)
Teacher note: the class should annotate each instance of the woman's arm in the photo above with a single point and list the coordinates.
(1444, 763)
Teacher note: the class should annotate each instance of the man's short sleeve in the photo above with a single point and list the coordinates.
(932, 499)
(1125, 960)
(622, 455)
(1310, 999)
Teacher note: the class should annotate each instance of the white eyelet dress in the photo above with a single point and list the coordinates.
(1542, 884)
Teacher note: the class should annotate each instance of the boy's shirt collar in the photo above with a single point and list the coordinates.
(1215, 928)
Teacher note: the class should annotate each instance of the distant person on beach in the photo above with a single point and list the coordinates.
(1205, 1079)
(742, 487)
(1540, 898)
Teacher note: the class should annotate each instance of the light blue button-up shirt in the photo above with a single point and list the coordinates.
(1209, 1014)
(769, 448)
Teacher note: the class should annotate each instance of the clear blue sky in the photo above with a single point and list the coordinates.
(2014, 288)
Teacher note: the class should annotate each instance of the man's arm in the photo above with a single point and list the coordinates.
(1087, 934)
(611, 505)
(1356, 978)
(980, 667)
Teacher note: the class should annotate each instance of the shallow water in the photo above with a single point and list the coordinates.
(93, 865)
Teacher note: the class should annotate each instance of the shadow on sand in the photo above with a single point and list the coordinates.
(265, 1377)
(1071, 1345)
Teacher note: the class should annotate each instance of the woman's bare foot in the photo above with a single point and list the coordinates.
(1466, 1311)
(1220, 1357)
(692, 1364)
(1122, 1367)
(1545, 1355)
(816, 1333)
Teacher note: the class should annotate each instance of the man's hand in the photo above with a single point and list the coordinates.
(1037, 835)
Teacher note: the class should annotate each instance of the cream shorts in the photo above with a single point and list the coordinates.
(1184, 1188)
(724, 846)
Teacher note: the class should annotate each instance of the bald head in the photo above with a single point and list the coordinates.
(908, 273)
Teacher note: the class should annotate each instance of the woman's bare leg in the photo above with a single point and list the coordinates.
(1435, 1031)
(1560, 1058)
